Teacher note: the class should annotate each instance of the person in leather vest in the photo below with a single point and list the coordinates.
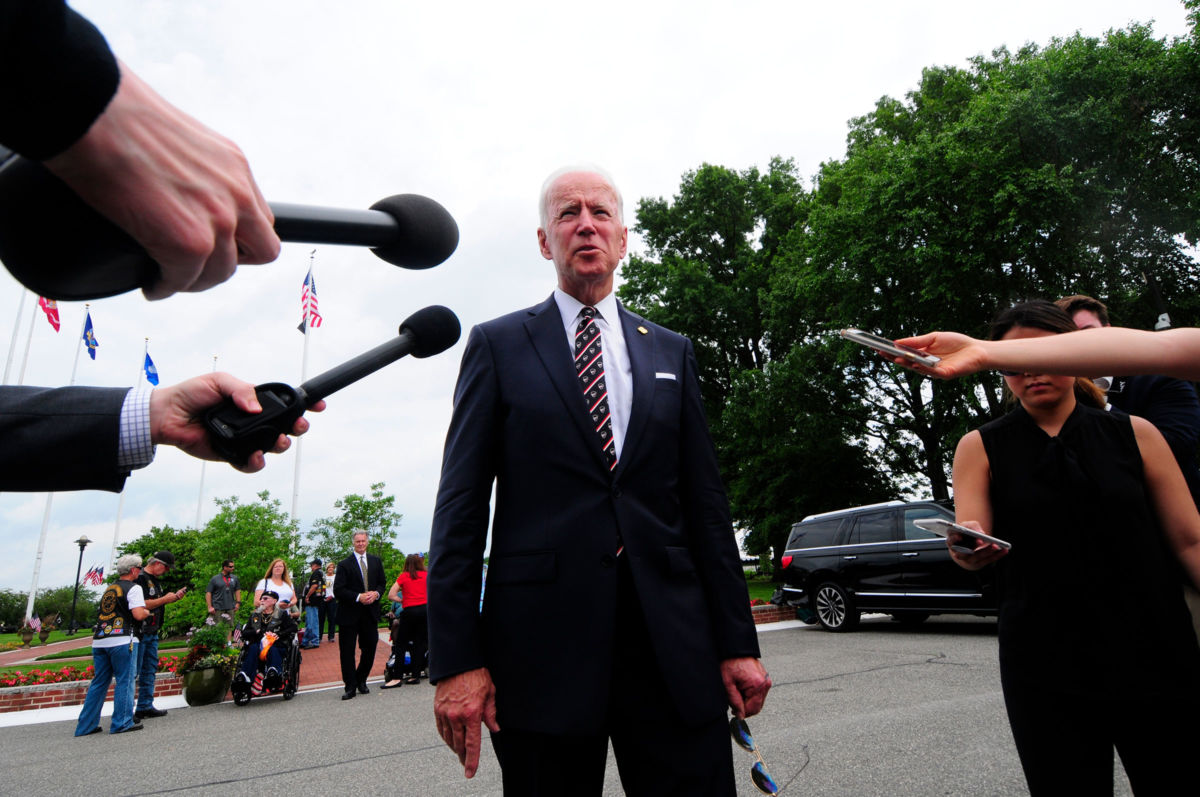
(265, 636)
(122, 606)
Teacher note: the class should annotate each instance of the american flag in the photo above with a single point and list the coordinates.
(308, 303)
(94, 576)
(35, 623)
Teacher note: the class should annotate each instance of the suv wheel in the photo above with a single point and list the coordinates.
(834, 607)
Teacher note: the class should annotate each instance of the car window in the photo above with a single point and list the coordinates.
(874, 528)
(817, 534)
(912, 532)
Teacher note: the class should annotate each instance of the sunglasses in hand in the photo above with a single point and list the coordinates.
(740, 732)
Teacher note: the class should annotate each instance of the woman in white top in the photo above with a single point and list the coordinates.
(330, 601)
(278, 580)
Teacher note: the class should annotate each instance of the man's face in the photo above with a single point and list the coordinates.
(360, 543)
(267, 603)
(583, 235)
(314, 567)
(1086, 319)
(156, 568)
(227, 569)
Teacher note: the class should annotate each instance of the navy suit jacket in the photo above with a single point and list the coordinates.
(1172, 406)
(546, 632)
(60, 438)
(348, 583)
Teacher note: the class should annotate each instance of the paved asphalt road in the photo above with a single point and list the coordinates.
(885, 710)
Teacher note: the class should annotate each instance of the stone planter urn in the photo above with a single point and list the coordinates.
(44, 634)
(207, 686)
(26, 635)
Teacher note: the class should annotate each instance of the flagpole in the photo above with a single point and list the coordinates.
(303, 376)
(12, 344)
(203, 466)
(37, 562)
(28, 342)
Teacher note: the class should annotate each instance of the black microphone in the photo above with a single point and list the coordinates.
(60, 247)
(236, 434)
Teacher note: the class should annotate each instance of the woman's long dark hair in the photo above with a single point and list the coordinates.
(413, 563)
(1040, 314)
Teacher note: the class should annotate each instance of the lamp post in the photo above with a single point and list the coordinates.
(82, 542)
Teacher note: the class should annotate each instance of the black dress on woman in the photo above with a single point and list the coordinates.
(1096, 647)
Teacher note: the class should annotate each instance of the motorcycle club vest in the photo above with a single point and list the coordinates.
(114, 618)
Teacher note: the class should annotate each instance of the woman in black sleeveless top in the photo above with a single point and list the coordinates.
(1096, 646)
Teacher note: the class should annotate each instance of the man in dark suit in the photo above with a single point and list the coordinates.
(357, 586)
(616, 607)
(1168, 403)
(111, 431)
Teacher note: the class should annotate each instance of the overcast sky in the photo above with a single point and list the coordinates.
(472, 104)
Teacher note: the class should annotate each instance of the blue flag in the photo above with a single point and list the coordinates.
(89, 336)
(151, 371)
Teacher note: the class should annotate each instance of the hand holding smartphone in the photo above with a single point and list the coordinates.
(884, 345)
(943, 527)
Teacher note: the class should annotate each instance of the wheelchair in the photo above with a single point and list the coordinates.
(244, 690)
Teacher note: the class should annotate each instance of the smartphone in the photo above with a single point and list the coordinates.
(943, 527)
(885, 345)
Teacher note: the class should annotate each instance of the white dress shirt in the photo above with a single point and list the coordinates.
(618, 373)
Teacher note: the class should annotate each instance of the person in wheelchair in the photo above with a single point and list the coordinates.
(266, 638)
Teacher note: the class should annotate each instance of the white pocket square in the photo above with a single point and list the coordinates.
(664, 375)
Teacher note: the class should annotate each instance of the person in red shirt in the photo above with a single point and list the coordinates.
(409, 589)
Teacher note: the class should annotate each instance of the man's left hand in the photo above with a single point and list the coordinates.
(746, 685)
(175, 411)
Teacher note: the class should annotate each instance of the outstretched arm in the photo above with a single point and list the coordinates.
(1174, 352)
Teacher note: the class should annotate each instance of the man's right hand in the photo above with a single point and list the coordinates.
(461, 703)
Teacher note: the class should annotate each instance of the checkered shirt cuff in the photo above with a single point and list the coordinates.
(134, 449)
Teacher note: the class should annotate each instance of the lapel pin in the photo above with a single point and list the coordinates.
(643, 330)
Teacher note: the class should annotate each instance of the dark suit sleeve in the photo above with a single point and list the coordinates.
(1172, 406)
(57, 75)
(710, 527)
(460, 519)
(343, 587)
(60, 438)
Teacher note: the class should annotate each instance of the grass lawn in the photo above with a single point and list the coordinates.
(74, 653)
(761, 588)
(57, 635)
(79, 665)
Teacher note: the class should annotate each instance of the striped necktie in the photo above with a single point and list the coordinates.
(589, 367)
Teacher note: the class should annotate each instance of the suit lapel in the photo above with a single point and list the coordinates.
(549, 340)
(641, 348)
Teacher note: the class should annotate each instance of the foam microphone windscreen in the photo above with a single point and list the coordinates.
(428, 233)
(434, 329)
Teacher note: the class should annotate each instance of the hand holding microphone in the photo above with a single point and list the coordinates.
(61, 248)
(235, 434)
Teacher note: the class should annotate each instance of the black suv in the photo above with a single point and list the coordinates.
(872, 558)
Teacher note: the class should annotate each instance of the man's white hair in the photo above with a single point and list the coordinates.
(586, 168)
(127, 563)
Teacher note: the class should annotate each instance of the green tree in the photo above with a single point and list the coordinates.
(57, 601)
(712, 251)
(1049, 171)
(251, 534)
(12, 607)
(329, 537)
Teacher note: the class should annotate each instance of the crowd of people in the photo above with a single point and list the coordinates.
(131, 613)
